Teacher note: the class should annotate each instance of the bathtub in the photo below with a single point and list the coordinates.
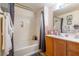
(27, 51)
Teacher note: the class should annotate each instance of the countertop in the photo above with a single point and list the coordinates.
(65, 38)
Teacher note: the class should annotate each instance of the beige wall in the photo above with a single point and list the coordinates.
(38, 19)
(48, 14)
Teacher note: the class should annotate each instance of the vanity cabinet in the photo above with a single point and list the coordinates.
(49, 46)
(55, 47)
(72, 48)
(59, 47)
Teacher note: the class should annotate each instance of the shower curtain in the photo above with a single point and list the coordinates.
(42, 44)
(11, 11)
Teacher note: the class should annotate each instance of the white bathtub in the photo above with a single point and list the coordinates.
(26, 51)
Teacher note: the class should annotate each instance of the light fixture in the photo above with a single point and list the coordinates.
(60, 5)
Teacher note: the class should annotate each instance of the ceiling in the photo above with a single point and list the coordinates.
(36, 6)
(33, 5)
(69, 8)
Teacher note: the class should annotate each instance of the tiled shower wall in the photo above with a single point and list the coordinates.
(24, 30)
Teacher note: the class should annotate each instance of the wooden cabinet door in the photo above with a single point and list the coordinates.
(59, 47)
(72, 48)
(49, 46)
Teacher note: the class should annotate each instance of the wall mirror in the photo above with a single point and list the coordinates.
(65, 19)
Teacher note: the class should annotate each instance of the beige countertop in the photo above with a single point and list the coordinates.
(64, 38)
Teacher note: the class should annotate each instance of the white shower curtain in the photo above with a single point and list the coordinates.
(8, 33)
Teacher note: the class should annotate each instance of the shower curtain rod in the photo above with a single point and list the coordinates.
(22, 6)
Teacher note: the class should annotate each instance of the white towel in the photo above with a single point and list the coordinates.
(8, 33)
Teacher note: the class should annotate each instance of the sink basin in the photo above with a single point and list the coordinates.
(68, 35)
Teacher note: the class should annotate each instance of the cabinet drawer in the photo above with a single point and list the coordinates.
(72, 46)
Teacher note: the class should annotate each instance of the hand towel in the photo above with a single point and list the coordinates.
(8, 33)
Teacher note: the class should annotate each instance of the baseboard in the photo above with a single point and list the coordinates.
(29, 54)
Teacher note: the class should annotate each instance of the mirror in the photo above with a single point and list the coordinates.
(65, 19)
